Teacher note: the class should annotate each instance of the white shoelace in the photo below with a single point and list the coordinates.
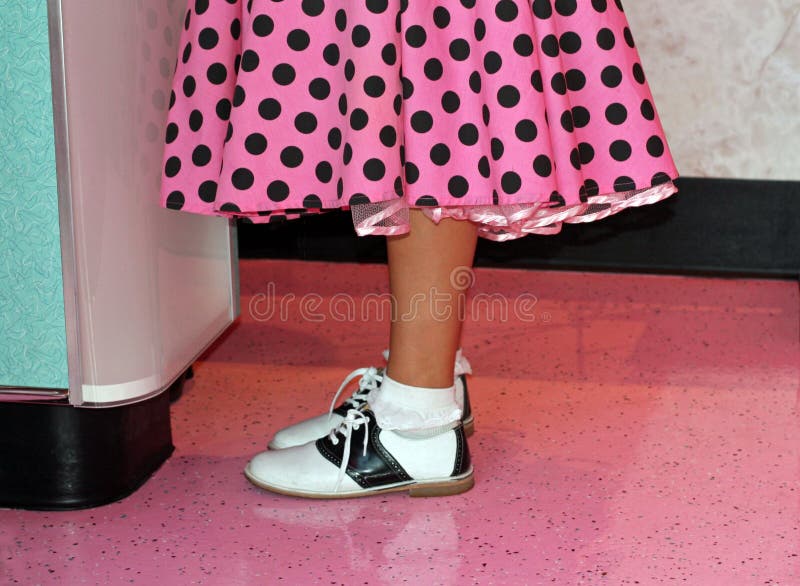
(370, 379)
(354, 419)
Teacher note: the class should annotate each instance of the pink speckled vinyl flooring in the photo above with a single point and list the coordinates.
(631, 429)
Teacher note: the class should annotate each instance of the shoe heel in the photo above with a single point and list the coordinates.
(469, 426)
(444, 488)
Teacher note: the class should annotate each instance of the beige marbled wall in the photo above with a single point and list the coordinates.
(726, 79)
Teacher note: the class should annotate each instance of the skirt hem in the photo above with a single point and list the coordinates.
(506, 222)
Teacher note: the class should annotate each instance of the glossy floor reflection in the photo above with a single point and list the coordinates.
(630, 429)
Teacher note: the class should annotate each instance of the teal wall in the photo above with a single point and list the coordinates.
(32, 338)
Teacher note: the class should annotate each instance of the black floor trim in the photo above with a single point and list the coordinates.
(727, 227)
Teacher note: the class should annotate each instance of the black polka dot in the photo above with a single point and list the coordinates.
(508, 96)
(217, 73)
(606, 39)
(416, 36)
(660, 178)
(580, 116)
(263, 25)
(175, 200)
(305, 122)
(421, 121)
(312, 201)
(388, 136)
(570, 42)
(543, 166)
(411, 172)
(624, 183)
(284, 74)
(324, 171)
(172, 167)
(207, 191)
(459, 50)
(319, 88)
(250, 61)
(566, 7)
(298, 40)
(497, 148)
(359, 119)
(526, 130)
(586, 153)
(611, 76)
(207, 39)
(620, 150)
(374, 86)
(616, 113)
(255, 144)
(542, 9)
(647, 110)
(468, 134)
(374, 169)
(655, 146)
(458, 186)
(511, 182)
(172, 132)
(433, 69)
(291, 157)
(242, 178)
(484, 167)
(451, 102)
(440, 154)
(278, 190)
(269, 109)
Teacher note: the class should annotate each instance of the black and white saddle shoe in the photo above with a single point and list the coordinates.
(359, 459)
(371, 377)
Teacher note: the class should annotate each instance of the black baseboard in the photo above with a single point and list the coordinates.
(712, 227)
(59, 457)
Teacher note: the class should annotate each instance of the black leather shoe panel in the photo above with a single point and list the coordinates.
(463, 458)
(332, 453)
(343, 409)
(376, 468)
(467, 410)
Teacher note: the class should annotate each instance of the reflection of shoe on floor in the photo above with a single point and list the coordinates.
(410, 547)
(316, 427)
(306, 515)
(360, 459)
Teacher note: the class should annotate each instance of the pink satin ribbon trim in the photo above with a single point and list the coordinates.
(504, 222)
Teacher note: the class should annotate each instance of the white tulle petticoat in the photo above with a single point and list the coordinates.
(505, 222)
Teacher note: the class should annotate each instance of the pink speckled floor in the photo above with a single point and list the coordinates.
(641, 430)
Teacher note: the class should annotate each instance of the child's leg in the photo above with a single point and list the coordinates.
(425, 332)
(410, 439)
(423, 343)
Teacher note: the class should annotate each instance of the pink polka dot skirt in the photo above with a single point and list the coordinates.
(513, 114)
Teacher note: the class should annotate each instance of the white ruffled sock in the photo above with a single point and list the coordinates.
(418, 411)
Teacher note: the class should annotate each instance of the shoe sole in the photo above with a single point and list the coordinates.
(431, 488)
